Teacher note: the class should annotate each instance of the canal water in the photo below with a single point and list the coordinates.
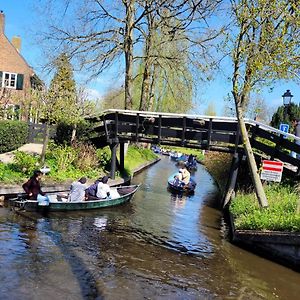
(158, 246)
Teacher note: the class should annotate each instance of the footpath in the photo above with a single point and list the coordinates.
(8, 157)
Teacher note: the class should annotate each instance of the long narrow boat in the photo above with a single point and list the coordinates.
(124, 194)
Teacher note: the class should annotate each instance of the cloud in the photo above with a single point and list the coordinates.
(93, 94)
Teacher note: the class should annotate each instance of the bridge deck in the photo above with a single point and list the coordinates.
(194, 131)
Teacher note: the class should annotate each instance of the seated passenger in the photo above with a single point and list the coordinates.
(77, 192)
(185, 175)
(91, 191)
(33, 189)
(103, 189)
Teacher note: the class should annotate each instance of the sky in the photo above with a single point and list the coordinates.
(20, 17)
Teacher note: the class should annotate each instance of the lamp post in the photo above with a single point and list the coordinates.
(286, 98)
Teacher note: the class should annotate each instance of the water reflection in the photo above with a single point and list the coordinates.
(158, 246)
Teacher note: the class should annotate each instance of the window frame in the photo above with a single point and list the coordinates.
(9, 80)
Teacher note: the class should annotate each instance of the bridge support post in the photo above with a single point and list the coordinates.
(113, 148)
(230, 188)
(122, 156)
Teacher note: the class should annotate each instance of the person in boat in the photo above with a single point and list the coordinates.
(98, 190)
(103, 189)
(33, 189)
(191, 159)
(77, 191)
(184, 175)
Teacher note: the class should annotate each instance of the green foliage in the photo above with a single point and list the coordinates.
(60, 101)
(25, 163)
(64, 156)
(9, 174)
(281, 214)
(104, 156)
(86, 157)
(137, 156)
(292, 111)
(13, 135)
(64, 132)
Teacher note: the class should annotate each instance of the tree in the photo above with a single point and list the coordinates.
(283, 115)
(210, 110)
(105, 30)
(265, 48)
(59, 103)
(258, 110)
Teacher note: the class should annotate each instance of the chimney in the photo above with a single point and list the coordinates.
(16, 41)
(2, 21)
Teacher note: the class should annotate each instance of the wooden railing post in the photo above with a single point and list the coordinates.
(209, 133)
(113, 148)
(183, 131)
(137, 127)
(159, 129)
(122, 156)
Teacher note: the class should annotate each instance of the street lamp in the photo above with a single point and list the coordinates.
(286, 98)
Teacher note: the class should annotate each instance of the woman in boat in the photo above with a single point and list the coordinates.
(33, 189)
(77, 192)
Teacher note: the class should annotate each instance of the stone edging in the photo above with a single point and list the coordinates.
(280, 246)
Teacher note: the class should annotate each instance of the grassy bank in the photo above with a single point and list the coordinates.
(218, 165)
(69, 163)
(281, 215)
(136, 157)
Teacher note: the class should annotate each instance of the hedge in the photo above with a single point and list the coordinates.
(13, 134)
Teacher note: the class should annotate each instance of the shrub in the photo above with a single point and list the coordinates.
(64, 133)
(86, 158)
(104, 156)
(13, 135)
(65, 156)
(25, 163)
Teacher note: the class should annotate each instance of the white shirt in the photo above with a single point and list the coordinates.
(77, 192)
(102, 190)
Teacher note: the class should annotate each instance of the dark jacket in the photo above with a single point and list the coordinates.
(32, 186)
(92, 190)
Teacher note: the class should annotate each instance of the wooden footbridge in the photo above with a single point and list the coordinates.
(116, 127)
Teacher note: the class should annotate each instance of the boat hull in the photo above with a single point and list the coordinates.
(190, 189)
(32, 205)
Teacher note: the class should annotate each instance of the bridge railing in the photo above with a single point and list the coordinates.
(195, 131)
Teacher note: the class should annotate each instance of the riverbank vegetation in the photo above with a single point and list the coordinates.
(282, 214)
(67, 163)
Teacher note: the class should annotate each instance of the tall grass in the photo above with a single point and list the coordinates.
(281, 215)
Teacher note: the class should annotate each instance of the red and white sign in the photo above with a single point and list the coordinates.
(271, 170)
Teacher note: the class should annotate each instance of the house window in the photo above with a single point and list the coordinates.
(9, 80)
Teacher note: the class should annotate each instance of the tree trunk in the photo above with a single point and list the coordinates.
(145, 94)
(128, 50)
(73, 137)
(259, 190)
(45, 142)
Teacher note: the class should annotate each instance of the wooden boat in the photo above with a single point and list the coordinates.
(189, 189)
(125, 193)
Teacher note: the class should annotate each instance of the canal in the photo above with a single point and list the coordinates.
(158, 246)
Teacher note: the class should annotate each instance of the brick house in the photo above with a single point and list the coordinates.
(16, 76)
